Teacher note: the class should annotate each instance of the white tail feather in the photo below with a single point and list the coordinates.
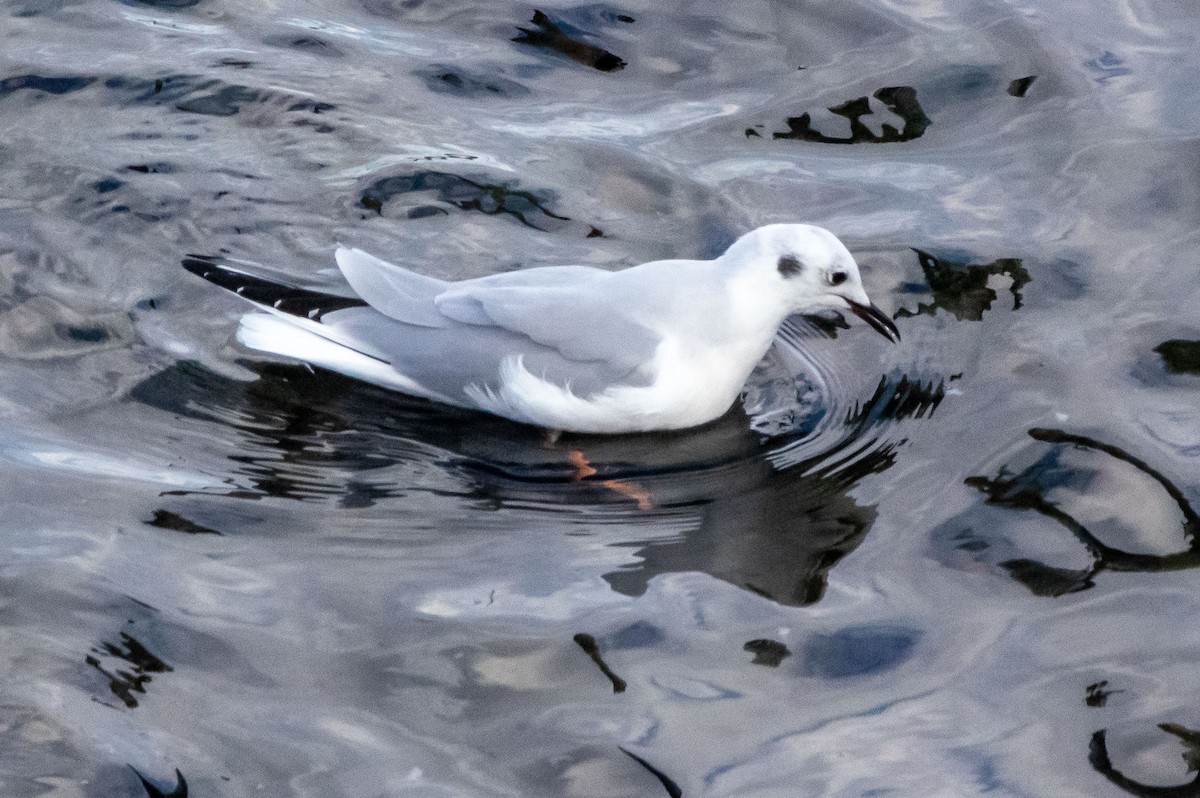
(275, 334)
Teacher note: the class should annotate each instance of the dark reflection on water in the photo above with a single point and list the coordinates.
(1028, 490)
(963, 289)
(179, 790)
(1180, 357)
(1098, 693)
(899, 100)
(50, 85)
(444, 79)
(776, 533)
(530, 208)
(1020, 86)
(134, 670)
(767, 652)
(790, 530)
(309, 44)
(1099, 758)
(592, 649)
(668, 783)
(552, 35)
(165, 519)
(773, 529)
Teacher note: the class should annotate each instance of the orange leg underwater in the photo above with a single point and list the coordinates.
(631, 490)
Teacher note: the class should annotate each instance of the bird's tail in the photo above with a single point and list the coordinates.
(293, 326)
(269, 294)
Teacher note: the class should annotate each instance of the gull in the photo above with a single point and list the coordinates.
(661, 346)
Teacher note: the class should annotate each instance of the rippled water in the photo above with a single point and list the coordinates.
(960, 565)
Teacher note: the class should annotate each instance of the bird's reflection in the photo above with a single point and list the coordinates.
(771, 516)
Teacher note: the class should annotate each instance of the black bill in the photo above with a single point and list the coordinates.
(872, 315)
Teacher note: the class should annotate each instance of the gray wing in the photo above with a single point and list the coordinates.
(585, 321)
(447, 359)
(559, 320)
(573, 310)
(394, 291)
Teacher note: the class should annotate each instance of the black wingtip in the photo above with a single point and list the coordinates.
(211, 269)
(197, 265)
(286, 298)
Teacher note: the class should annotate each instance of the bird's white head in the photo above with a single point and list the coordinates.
(808, 269)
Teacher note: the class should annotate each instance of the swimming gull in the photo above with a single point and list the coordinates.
(664, 345)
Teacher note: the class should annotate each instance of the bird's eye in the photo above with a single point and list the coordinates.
(837, 278)
(789, 266)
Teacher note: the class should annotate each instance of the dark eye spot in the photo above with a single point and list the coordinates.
(837, 278)
(790, 266)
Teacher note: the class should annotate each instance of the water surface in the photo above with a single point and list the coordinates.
(960, 565)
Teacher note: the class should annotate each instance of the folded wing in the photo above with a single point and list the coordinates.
(570, 309)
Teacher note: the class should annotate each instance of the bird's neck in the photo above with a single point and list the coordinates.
(755, 311)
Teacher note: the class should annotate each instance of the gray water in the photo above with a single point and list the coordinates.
(963, 564)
